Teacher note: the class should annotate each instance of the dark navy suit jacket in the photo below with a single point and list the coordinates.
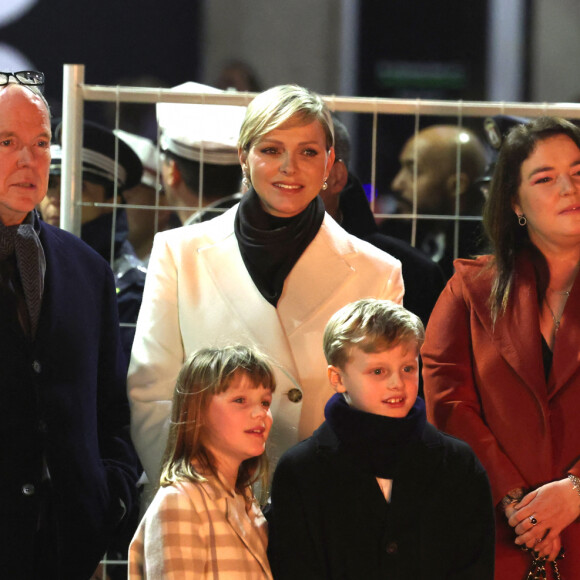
(68, 468)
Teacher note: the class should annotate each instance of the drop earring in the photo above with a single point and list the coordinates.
(522, 219)
(325, 185)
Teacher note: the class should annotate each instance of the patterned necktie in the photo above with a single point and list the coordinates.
(23, 240)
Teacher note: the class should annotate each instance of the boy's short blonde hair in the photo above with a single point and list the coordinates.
(371, 325)
(277, 105)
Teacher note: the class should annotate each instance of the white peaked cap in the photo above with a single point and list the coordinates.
(147, 152)
(194, 131)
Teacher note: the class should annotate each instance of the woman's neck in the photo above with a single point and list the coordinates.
(563, 271)
(563, 268)
(563, 258)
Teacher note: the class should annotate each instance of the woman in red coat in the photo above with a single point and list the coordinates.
(502, 350)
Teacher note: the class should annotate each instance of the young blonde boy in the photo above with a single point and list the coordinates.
(376, 491)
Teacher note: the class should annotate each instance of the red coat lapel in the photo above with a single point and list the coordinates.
(516, 335)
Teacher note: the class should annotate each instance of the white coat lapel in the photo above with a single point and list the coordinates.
(324, 259)
(225, 265)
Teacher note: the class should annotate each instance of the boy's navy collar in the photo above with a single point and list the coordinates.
(376, 442)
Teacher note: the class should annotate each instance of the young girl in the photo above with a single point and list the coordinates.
(204, 521)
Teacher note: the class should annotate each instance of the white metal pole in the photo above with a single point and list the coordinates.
(72, 139)
(505, 50)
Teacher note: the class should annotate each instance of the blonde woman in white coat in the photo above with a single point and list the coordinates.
(268, 272)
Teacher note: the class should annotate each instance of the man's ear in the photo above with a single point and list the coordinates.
(452, 184)
(330, 160)
(335, 379)
(337, 177)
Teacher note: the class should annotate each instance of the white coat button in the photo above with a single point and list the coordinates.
(295, 395)
(28, 489)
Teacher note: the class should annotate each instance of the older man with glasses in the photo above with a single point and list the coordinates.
(68, 469)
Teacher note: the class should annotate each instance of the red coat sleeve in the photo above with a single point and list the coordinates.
(451, 390)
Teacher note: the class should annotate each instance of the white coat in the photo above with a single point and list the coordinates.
(198, 293)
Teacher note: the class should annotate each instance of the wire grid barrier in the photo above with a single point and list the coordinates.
(76, 93)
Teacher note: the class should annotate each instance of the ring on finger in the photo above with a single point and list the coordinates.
(533, 520)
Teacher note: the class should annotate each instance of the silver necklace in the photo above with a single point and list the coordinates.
(557, 321)
(561, 292)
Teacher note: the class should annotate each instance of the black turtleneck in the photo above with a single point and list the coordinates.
(270, 246)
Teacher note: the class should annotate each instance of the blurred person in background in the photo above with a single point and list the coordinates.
(109, 166)
(239, 76)
(199, 162)
(432, 156)
(145, 223)
(345, 200)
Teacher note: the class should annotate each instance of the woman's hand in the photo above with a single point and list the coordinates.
(542, 514)
(547, 548)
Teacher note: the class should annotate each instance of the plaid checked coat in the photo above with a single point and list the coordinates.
(200, 530)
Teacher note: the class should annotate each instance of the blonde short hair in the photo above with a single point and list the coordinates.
(277, 105)
(206, 373)
(371, 325)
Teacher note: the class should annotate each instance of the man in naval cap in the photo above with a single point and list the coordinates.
(145, 221)
(109, 167)
(200, 165)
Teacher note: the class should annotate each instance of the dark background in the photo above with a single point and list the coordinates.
(417, 49)
(408, 49)
(119, 41)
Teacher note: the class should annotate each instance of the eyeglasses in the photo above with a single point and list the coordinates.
(24, 77)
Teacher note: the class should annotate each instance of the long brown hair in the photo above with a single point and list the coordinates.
(206, 373)
(507, 237)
